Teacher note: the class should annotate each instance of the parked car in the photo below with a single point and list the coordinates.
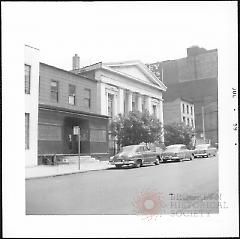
(176, 152)
(204, 150)
(135, 155)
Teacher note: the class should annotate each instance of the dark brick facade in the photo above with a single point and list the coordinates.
(194, 78)
(57, 119)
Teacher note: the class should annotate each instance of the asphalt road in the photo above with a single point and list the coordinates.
(181, 187)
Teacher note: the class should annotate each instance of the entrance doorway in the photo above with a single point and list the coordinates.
(71, 140)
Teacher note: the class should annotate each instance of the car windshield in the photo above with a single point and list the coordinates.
(202, 146)
(172, 148)
(129, 148)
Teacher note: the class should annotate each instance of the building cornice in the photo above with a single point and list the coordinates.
(70, 111)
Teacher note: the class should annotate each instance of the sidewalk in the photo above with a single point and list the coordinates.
(48, 170)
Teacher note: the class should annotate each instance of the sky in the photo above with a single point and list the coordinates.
(118, 31)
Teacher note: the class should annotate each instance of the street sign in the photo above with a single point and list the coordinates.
(76, 130)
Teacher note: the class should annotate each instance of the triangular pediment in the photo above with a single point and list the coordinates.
(136, 70)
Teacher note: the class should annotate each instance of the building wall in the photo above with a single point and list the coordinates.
(171, 112)
(57, 119)
(60, 127)
(48, 73)
(109, 79)
(200, 66)
(189, 115)
(211, 121)
(31, 58)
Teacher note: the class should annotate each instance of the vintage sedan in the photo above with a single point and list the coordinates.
(135, 155)
(176, 152)
(204, 150)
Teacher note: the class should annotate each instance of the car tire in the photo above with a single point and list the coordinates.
(162, 160)
(138, 164)
(157, 161)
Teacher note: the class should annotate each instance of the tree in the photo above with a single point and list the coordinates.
(178, 133)
(135, 128)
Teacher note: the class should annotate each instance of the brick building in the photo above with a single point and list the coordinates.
(194, 78)
(179, 111)
(67, 100)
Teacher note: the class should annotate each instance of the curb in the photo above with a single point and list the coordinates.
(62, 174)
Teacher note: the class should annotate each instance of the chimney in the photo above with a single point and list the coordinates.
(195, 50)
(76, 62)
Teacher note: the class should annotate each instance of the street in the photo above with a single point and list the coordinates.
(166, 188)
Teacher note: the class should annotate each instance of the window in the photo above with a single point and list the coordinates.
(191, 110)
(184, 119)
(188, 121)
(187, 109)
(26, 130)
(72, 95)
(140, 149)
(87, 98)
(98, 135)
(54, 90)
(192, 122)
(155, 110)
(110, 104)
(49, 132)
(183, 108)
(27, 79)
(133, 103)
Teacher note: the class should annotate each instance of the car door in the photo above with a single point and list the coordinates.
(184, 152)
(146, 155)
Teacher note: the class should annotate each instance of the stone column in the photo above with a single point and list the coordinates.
(121, 101)
(160, 115)
(139, 102)
(149, 104)
(129, 101)
(115, 105)
(103, 100)
(160, 111)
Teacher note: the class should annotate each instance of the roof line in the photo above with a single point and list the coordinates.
(70, 72)
(32, 47)
(131, 77)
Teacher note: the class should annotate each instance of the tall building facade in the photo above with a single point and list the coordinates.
(31, 72)
(194, 78)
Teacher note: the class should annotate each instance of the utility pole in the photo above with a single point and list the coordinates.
(79, 148)
(203, 123)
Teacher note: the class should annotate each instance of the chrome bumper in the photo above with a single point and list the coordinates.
(170, 157)
(200, 154)
(123, 162)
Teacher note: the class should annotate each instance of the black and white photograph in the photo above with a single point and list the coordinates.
(130, 125)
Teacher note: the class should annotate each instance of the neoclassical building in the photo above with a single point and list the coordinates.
(124, 86)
